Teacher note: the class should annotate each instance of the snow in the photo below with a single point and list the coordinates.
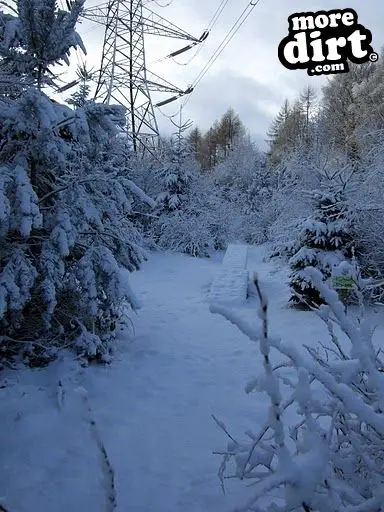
(236, 256)
(230, 284)
(140, 431)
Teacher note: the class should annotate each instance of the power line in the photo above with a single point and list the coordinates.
(217, 14)
(235, 28)
(158, 4)
(227, 39)
(211, 24)
(169, 116)
(191, 59)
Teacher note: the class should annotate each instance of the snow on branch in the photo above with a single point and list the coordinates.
(139, 193)
(333, 457)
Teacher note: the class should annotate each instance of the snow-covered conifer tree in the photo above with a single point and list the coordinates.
(204, 224)
(67, 235)
(324, 241)
(178, 170)
(37, 38)
(79, 97)
(244, 182)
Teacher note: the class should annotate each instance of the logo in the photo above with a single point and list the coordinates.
(323, 42)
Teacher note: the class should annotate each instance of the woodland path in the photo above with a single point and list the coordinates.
(152, 406)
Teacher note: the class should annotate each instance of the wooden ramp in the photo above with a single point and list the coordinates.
(230, 283)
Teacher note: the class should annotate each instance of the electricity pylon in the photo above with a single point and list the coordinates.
(123, 77)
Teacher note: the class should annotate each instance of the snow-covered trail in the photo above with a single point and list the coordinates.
(184, 365)
(152, 406)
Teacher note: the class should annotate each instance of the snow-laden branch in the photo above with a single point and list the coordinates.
(353, 403)
(140, 193)
(335, 462)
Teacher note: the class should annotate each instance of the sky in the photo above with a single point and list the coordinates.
(248, 75)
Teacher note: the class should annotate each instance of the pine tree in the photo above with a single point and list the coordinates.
(67, 237)
(210, 145)
(325, 240)
(214, 146)
(179, 169)
(37, 38)
(278, 122)
(79, 98)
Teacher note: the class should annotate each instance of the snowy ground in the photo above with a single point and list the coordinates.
(152, 407)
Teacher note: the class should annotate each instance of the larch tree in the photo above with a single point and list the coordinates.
(229, 130)
(195, 139)
(286, 132)
(308, 103)
(341, 111)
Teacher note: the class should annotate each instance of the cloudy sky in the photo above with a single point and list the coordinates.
(248, 75)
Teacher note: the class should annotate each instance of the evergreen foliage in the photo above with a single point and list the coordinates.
(67, 238)
(178, 170)
(324, 241)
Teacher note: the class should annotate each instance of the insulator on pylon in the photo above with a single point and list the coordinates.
(68, 86)
(182, 50)
(169, 100)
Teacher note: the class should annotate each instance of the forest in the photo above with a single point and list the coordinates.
(82, 214)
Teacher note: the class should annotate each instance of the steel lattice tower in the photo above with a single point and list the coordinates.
(123, 77)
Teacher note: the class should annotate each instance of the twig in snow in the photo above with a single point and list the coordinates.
(221, 425)
(106, 466)
(60, 394)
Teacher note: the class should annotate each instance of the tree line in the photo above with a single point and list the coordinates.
(213, 146)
